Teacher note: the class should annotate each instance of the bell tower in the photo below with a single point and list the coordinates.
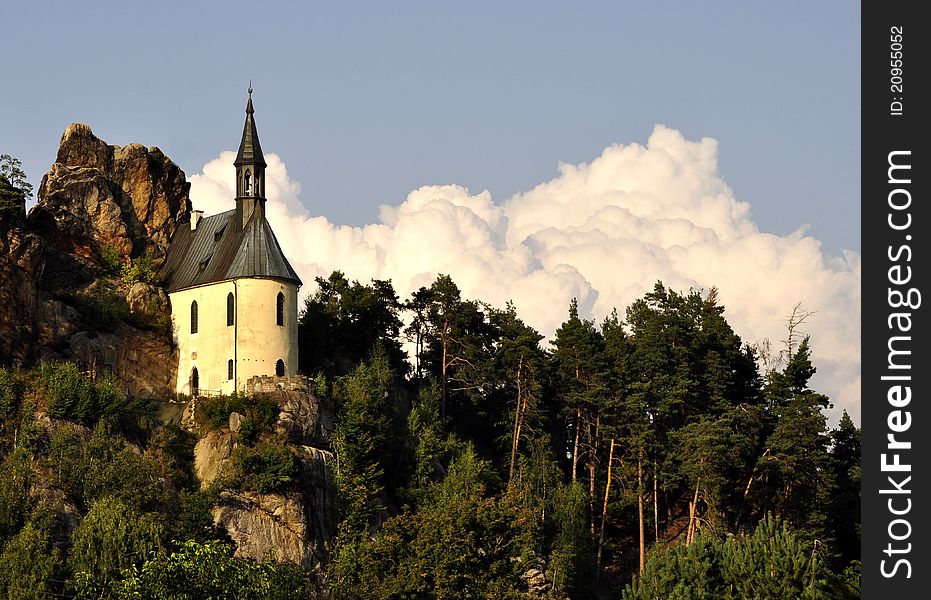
(250, 171)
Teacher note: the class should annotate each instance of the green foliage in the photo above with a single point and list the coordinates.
(111, 257)
(368, 441)
(434, 446)
(112, 538)
(112, 468)
(11, 394)
(73, 396)
(260, 413)
(265, 468)
(30, 565)
(192, 517)
(103, 310)
(14, 188)
(844, 504)
(458, 545)
(771, 564)
(17, 418)
(141, 270)
(65, 460)
(201, 571)
(15, 479)
(571, 555)
(172, 449)
(343, 322)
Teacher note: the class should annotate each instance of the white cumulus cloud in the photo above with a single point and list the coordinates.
(603, 232)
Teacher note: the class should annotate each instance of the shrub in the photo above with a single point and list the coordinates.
(111, 538)
(141, 270)
(111, 258)
(72, 396)
(260, 413)
(210, 569)
(30, 565)
(770, 564)
(103, 310)
(11, 392)
(265, 468)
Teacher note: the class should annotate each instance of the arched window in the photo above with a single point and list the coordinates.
(229, 369)
(230, 310)
(279, 310)
(194, 316)
(258, 185)
(279, 368)
(195, 382)
(247, 190)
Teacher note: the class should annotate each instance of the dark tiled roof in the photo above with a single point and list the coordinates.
(250, 151)
(215, 251)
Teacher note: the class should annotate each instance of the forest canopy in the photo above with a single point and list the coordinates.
(653, 454)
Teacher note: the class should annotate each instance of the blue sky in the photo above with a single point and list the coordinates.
(366, 102)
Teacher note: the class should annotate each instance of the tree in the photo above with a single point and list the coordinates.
(343, 322)
(577, 357)
(205, 570)
(844, 506)
(14, 188)
(795, 463)
(460, 544)
(30, 565)
(454, 342)
(111, 539)
(771, 564)
(518, 365)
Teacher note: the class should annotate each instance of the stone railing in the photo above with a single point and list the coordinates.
(264, 384)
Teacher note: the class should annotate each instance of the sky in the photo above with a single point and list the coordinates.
(543, 150)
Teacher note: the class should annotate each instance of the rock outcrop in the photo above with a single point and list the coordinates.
(293, 525)
(99, 207)
(264, 525)
(96, 195)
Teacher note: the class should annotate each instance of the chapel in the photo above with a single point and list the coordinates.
(233, 293)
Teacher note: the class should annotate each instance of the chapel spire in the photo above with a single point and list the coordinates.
(250, 169)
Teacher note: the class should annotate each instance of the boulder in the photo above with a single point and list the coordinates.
(303, 418)
(267, 525)
(212, 456)
(142, 362)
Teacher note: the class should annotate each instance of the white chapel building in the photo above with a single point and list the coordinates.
(233, 293)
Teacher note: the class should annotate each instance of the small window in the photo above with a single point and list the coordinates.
(195, 382)
(229, 369)
(194, 316)
(279, 310)
(230, 310)
(279, 368)
(248, 191)
(218, 234)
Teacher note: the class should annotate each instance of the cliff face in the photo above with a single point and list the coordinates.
(290, 526)
(99, 207)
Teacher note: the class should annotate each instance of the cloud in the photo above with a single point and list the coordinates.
(603, 232)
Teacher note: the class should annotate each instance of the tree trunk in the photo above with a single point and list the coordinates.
(655, 502)
(575, 446)
(592, 470)
(640, 511)
(604, 511)
(518, 421)
(692, 506)
(443, 372)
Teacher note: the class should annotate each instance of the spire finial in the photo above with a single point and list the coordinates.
(250, 88)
